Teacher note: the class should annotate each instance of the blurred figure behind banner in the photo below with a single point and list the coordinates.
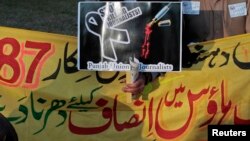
(211, 19)
(7, 131)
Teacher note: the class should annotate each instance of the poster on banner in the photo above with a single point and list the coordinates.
(112, 34)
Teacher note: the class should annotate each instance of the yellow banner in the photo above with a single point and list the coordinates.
(45, 97)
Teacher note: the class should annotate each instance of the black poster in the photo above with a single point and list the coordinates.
(112, 34)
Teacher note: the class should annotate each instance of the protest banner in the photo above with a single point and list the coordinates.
(45, 97)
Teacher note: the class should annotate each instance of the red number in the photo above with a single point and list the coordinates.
(12, 67)
(43, 49)
(10, 59)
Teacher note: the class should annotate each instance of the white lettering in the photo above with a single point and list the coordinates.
(215, 132)
(160, 67)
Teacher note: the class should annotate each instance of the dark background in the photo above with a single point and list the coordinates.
(54, 16)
